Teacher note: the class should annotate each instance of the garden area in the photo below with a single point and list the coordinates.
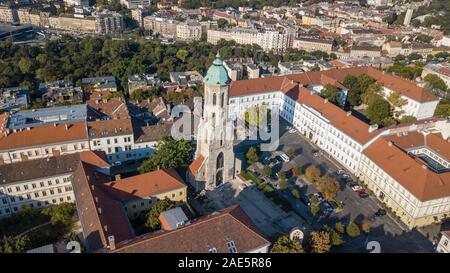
(31, 228)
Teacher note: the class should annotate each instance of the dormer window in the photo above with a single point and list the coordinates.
(231, 247)
(213, 250)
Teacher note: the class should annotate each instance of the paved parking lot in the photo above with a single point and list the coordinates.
(393, 236)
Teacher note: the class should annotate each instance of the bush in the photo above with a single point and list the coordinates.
(335, 238)
(281, 175)
(353, 230)
(297, 170)
(285, 245)
(267, 170)
(339, 227)
(283, 184)
(366, 225)
(295, 193)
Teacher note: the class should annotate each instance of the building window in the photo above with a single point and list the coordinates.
(231, 247)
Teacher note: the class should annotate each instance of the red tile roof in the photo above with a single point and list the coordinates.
(411, 173)
(44, 135)
(196, 164)
(212, 231)
(144, 185)
(271, 84)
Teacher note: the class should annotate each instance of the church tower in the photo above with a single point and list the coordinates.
(214, 156)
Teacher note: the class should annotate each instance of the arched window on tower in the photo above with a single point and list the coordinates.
(214, 98)
(222, 100)
(213, 119)
(219, 163)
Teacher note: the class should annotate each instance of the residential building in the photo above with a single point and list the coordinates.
(132, 4)
(163, 26)
(189, 31)
(114, 137)
(14, 98)
(40, 183)
(408, 172)
(310, 44)
(142, 81)
(441, 70)
(41, 133)
(444, 243)
(8, 15)
(141, 192)
(296, 98)
(359, 51)
(60, 92)
(110, 23)
(268, 39)
(408, 17)
(104, 83)
(187, 78)
(236, 68)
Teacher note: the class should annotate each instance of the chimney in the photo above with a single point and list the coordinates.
(390, 143)
(424, 167)
(99, 210)
(111, 242)
(157, 168)
(117, 177)
(349, 113)
(66, 126)
(54, 124)
(325, 101)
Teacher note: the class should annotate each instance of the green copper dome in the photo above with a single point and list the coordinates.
(217, 74)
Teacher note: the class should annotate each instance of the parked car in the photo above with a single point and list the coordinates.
(380, 212)
(316, 154)
(117, 163)
(326, 207)
(363, 194)
(356, 187)
(340, 172)
(284, 157)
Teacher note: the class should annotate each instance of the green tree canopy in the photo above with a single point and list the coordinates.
(152, 216)
(435, 82)
(312, 173)
(377, 110)
(285, 245)
(170, 153)
(331, 92)
(329, 186)
(252, 155)
(353, 230)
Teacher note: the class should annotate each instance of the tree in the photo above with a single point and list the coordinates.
(285, 245)
(152, 216)
(331, 93)
(335, 238)
(329, 186)
(170, 153)
(22, 244)
(395, 98)
(252, 155)
(443, 108)
(407, 119)
(290, 153)
(339, 227)
(314, 209)
(312, 173)
(281, 175)
(320, 241)
(297, 170)
(282, 184)
(182, 54)
(435, 82)
(353, 230)
(378, 109)
(61, 214)
(267, 170)
(366, 225)
(371, 91)
(295, 193)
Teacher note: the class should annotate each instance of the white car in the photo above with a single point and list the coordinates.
(356, 188)
(117, 163)
(285, 157)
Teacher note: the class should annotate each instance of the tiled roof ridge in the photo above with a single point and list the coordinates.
(193, 223)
